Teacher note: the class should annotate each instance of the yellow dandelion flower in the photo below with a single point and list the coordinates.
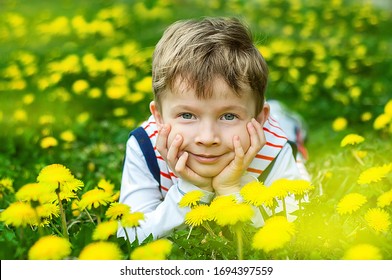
(339, 124)
(191, 199)
(95, 93)
(46, 119)
(382, 121)
(351, 139)
(55, 173)
(350, 203)
(101, 250)
(116, 210)
(6, 184)
(238, 212)
(155, 250)
(378, 219)
(80, 86)
(19, 214)
(48, 142)
(132, 219)
(28, 98)
(144, 85)
(255, 193)
(388, 108)
(48, 210)
(299, 187)
(116, 196)
(276, 232)
(75, 208)
(67, 194)
(56, 176)
(36, 192)
(198, 215)
(106, 185)
(374, 174)
(20, 115)
(367, 116)
(363, 252)
(221, 203)
(83, 117)
(360, 154)
(120, 112)
(384, 199)
(68, 136)
(280, 188)
(50, 248)
(105, 229)
(94, 198)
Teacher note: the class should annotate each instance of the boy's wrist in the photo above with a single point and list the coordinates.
(227, 190)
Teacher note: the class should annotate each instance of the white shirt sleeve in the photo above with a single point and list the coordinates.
(140, 190)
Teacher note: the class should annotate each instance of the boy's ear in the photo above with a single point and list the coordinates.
(264, 113)
(155, 112)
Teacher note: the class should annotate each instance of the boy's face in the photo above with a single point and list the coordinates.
(208, 125)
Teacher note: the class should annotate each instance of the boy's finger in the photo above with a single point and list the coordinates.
(172, 153)
(181, 164)
(257, 140)
(239, 151)
(161, 143)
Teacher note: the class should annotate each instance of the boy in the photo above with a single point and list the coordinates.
(210, 125)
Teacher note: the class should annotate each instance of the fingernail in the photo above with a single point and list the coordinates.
(178, 137)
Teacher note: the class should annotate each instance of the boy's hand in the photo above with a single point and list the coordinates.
(228, 181)
(177, 161)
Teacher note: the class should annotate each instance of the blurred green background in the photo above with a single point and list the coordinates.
(75, 75)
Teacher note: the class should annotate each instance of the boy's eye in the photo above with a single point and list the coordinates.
(187, 116)
(229, 117)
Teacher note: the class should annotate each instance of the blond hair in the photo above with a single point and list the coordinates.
(198, 51)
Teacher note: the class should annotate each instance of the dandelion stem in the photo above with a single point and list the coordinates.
(55, 228)
(357, 157)
(284, 207)
(190, 231)
(238, 232)
(62, 213)
(128, 240)
(263, 213)
(209, 229)
(89, 216)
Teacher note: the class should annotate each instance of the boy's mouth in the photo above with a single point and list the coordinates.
(205, 158)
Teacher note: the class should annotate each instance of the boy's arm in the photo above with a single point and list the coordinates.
(140, 190)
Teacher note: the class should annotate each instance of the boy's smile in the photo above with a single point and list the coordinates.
(207, 126)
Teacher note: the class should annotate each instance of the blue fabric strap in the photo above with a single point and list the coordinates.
(148, 151)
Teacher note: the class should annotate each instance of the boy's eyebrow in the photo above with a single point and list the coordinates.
(232, 107)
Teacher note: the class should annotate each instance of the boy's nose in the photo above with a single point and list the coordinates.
(207, 135)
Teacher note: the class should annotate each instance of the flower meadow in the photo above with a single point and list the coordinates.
(75, 80)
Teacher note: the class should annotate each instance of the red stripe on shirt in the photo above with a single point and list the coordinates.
(273, 133)
(164, 188)
(264, 157)
(159, 157)
(254, 170)
(275, 125)
(149, 124)
(165, 175)
(273, 145)
(152, 135)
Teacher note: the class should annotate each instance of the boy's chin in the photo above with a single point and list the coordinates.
(207, 171)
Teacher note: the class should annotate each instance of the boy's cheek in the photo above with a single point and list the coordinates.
(172, 136)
